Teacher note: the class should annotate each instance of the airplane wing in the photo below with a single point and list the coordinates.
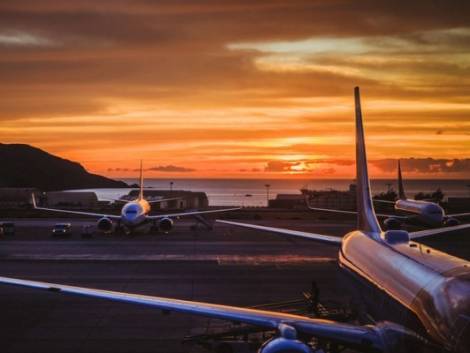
(191, 213)
(384, 201)
(163, 200)
(149, 201)
(295, 233)
(434, 231)
(82, 213)
(457, 215)
(369, 337)
(382, 215)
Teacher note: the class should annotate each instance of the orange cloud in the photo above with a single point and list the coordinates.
(223, 88)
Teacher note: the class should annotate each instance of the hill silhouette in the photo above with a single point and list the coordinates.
(26, 166)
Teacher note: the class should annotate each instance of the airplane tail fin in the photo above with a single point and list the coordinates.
(401, 189)
(141, 182)
(366, 218)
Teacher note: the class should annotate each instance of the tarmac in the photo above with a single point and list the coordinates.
(226, 265)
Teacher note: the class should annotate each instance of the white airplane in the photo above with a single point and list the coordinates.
(424, 213)
(421, 296)
(134, 214)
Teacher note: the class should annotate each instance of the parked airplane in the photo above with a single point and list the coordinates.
(134, 214)
(421, 212)
(422, 295)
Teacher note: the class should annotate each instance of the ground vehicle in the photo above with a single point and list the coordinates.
(7, 228)
(62, 229)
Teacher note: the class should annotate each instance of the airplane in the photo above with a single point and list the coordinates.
(420, 296)
(420, 212)
(134, 214)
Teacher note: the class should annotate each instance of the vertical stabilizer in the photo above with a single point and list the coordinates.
(366, 219)
(141, 182)
(401, 189)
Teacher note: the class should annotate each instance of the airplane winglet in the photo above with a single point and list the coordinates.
(366, 218)
(33, 199)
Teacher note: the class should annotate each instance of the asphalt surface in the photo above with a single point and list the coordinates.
(225, 265)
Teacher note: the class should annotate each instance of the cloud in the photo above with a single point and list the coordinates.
(118, 169)
(24, 39)
(171, 168)
(425, 165)
(228, 83)
(279, 166)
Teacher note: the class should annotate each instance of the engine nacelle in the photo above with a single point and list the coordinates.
(392, 224)
(287, 342)
(105, 225)
(451, 222)
(165, 224)
(282, 345)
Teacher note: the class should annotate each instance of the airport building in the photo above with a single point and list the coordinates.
(333, 199)
(290, 201)
(16, 197)
(79, 199)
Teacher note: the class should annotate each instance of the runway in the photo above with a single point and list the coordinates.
(227, 266)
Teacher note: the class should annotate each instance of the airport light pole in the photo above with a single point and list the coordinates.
(171, 186)
(267, 186)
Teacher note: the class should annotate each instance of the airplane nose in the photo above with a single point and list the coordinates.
(131, 212)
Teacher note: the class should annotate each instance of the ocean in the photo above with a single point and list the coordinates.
(253, 192)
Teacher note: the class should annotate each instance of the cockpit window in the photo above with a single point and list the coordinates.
(131, 211)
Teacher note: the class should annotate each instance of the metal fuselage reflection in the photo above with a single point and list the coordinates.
(428, 213)
(419, 287)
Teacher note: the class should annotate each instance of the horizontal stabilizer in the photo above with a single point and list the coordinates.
(381, 215)
(294, 233)
(436, 231)
(192, 213)
(384, 201)
(457, 215)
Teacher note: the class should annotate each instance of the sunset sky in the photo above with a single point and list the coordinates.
(229, 88)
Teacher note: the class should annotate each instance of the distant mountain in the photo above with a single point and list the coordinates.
(27, 166)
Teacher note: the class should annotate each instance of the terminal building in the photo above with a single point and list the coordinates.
(333, 199)
(290, 201)
(78, 199)
(19, 198)
(11, 198)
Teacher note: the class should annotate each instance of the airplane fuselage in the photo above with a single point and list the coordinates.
(134, 213)
(428, 213)
(430, 288)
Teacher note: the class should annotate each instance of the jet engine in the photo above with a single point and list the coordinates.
(105, 225)
(451, 222)
(286, 342)
(165, 224)
(392, 224)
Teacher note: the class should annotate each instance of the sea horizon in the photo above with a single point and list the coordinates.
(254, 193)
